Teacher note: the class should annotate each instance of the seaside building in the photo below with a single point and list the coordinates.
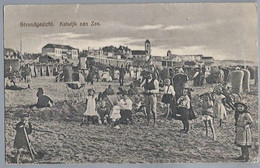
(58, 51)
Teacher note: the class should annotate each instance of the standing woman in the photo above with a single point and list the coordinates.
(91, 74)
(168, 95)
(178, 81)
(196, 77)
(121, 75)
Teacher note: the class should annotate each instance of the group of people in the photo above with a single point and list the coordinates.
(176, 97)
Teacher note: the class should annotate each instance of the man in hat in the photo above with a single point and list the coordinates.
(151, 88)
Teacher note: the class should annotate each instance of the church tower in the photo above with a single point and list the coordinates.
(147, 46)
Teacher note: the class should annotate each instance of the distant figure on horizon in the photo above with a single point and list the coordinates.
(121, 75)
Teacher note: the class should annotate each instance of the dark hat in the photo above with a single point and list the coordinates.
(90, 89)
(241, 103)
(207, 94)
(24, 115)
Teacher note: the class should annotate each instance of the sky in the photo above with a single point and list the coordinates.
(221, 30)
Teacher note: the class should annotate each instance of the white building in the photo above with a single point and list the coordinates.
(60, 51)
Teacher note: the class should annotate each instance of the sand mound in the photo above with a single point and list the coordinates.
(61, 111)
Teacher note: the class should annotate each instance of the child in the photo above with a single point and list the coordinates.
(226, 91)
(207, 112)
(21, 141)
(91, 112)
(43, 100)
(103, 112)
(219, 107)
(243, 138)
(168, 94)
(183, 107)
(126, 110)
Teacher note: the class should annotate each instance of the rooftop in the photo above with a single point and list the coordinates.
(139, 52)
(59, 46)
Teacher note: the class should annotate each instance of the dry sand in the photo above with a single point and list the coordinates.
(67, 142)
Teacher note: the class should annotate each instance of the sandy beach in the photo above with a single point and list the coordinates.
(59, 138)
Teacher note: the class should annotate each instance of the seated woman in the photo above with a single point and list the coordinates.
(133, 90)
(109, 91)
(43, 100)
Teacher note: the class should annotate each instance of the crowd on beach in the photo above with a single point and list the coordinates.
(150, 85)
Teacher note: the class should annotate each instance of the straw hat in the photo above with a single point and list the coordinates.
(240, 103)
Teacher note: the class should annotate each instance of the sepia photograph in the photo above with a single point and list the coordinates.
(145, 83)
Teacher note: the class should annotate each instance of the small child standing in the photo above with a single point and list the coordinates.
(168, 95)
(184, 107)
(219, 108)
(21, 139)
(243, 139)
(207, 113)
(91, 112)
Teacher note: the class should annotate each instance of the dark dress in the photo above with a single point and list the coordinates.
(133, 91)
(43, 101)
(90, 77)
(226, 74)
(121, 76)
(196, 80)
(109, 91)
(20, 139)
(178, 81)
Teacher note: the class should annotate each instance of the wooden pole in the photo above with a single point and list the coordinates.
(29, 144)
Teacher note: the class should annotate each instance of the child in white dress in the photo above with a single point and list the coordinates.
(91, 113)
(207, 113)
(219, 108)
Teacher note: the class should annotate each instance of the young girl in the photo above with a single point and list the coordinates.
(91, 112)
(183, 107)
(243, 138)
(168, 94)
(219, 108)
(21, 139)
(207, 112)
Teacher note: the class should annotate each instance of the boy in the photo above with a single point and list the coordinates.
(183, 107)
(21, 141)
